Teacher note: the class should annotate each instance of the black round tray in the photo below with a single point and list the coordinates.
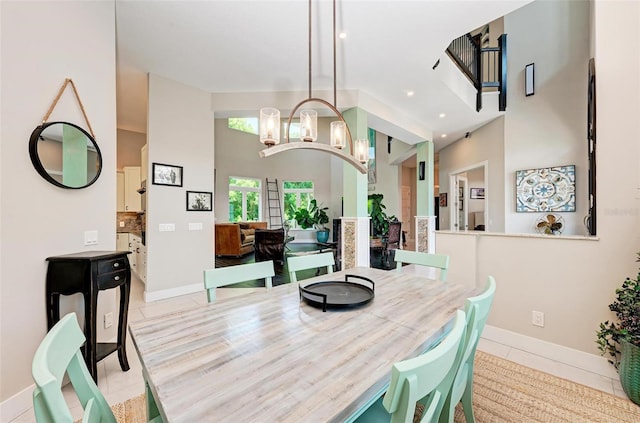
(337, 294)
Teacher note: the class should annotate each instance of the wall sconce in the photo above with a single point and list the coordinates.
(529, 80)
(421, 171)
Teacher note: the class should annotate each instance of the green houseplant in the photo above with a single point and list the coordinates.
(379, 218)
(320, 218)
(315, 216)
(621, 340)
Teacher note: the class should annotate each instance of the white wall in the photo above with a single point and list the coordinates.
(237, 155)
(180, 132)
(573, 280)
(388, 177)
(484, 145)
(129, 145)
(38, 219)
(555, 36)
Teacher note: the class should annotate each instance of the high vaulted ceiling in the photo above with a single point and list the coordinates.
(243, 46)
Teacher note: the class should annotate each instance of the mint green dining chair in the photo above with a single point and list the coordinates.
(425, 379)
(477, 309)
(311, 261)
(59, 353)
(439, 261)
(223, 276)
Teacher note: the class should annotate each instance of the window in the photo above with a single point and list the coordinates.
(245, 203)
(249, 125)
(296, 194)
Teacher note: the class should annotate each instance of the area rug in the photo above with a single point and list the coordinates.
(504, 392)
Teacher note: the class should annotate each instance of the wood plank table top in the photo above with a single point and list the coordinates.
(268, 357)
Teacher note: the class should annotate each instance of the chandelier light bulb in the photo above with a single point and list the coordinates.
(308, 125)
(338, 135)
(269, 126)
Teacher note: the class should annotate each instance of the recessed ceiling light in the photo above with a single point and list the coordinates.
(442, 115)
(443, 136)
(342, 35)
(410, 93)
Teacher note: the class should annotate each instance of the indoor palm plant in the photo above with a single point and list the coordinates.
(621, 340)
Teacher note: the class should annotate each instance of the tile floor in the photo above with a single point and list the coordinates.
(118, 386)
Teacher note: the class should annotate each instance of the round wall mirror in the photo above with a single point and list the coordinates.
(65, 155)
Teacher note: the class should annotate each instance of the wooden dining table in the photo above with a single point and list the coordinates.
(267, 356)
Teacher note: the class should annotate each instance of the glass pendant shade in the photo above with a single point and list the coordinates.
(362, 150)
(338, 134)
(269, 126)
(308, 125)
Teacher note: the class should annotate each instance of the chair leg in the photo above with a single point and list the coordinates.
(467, 402)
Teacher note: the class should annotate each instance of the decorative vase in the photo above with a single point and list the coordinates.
(322, 236)
(630, 371)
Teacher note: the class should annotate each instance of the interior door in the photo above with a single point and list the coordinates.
(459, 209)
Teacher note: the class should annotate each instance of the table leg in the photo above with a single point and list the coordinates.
(53, 310)
(122, 326)
(90, 310)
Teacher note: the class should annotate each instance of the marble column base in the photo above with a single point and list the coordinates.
(426, 234)
(355, 242)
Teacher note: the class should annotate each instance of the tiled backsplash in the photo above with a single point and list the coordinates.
(133, 222)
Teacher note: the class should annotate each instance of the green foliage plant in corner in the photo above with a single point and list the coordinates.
(620, 340)
(627, 309)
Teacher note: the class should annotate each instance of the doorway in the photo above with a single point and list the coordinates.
(469, 209)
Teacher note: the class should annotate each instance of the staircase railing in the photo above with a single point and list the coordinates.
(485, 67)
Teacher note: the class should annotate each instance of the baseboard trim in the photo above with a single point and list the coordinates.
(173, 292)
(569, 356)
(13, 407)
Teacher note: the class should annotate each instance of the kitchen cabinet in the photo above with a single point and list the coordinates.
(122, 242)
(138, 257)
(144, 159)
(134, 241)
(120, 191)
(132, 200)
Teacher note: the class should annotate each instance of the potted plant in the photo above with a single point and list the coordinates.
(379, 218)
(320, 218)
(621, 340)
(302, 216)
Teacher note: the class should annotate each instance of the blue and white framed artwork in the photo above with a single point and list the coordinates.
(549, 189)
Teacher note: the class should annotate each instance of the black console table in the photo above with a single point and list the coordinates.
(88, 273)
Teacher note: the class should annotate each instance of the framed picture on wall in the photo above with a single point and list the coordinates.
(199, 201)
(548, 189)
(164, 174)
(477, 193)
(371, 165)
(443, 199)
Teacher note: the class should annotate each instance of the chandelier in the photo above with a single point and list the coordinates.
(339, 132)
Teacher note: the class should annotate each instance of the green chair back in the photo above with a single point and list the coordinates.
(439, 261)
(229, 275)
(311, 261)
(477, 309)
(59, 353)
(426, 378)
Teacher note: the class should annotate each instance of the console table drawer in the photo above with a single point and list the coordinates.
(108, 266)
(111, 280)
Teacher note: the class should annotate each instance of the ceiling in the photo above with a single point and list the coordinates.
(259, 46)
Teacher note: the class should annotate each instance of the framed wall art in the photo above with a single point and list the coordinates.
(164, 174)
(476, 193)
(443, 199)
(371, 165)
(547, 189)
(199, 201)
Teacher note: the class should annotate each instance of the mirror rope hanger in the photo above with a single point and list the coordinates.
(55, 102)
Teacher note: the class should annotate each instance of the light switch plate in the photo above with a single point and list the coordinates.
(90, 237)
(195, 226)
(166, 227)
(122, 223)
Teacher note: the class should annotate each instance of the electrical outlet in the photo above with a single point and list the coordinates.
(122, 223)
(537, 318)
(108, 320)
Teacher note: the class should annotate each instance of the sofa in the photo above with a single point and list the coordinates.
(236, 239)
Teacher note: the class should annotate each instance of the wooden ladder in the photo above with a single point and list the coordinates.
(274, 206)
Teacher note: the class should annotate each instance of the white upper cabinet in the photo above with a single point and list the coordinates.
(132, 200)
